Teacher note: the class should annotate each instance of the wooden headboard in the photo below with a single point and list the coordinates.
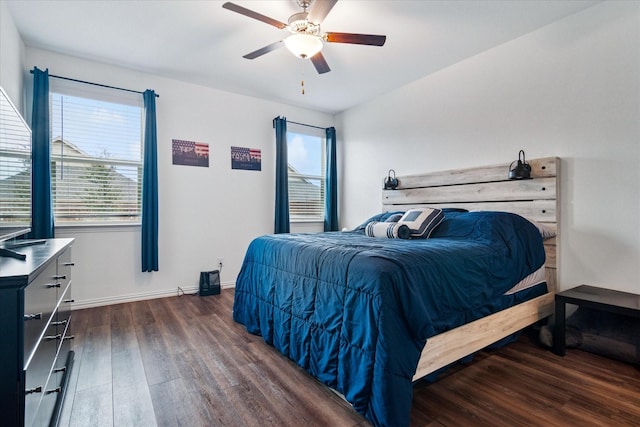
(488, 188)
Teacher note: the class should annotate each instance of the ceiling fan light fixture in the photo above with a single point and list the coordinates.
(303, 45)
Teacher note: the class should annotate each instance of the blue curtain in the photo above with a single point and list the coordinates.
(331, 184)
(150, 186)
(282, 177)
(41, 200)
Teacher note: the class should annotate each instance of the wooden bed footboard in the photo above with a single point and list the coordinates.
(487, 188)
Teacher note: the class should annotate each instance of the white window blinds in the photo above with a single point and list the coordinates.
(15, 166)
(96, 155)
(306, 171)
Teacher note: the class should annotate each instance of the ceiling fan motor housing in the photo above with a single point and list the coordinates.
(298, 24)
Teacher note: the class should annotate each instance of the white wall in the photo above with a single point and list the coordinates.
(204, 213)
(571, 89)
(11, 58)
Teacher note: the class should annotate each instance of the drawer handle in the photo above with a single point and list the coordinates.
(69, 264)
(36, 316)
(64, 368)
(61, 322)
(53, 285)
(52, 337)
(69, 300)
(69, 337)
(55, 390)
(33, 390)
(62, 277)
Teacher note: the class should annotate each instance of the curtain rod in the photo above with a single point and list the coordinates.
(302, 124)
(95, 84)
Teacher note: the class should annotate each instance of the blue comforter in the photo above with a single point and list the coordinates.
(356, 311)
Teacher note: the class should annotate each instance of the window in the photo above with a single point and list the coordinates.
(15, 166)
(306, 161)
(96, 155)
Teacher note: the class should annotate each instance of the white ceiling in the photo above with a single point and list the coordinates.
(202, 43)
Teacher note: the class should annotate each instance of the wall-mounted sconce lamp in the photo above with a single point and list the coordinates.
(522, 170)
(391, 182)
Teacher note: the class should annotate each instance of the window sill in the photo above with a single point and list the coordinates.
(96, 227)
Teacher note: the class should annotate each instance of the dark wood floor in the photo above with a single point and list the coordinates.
(182, 361)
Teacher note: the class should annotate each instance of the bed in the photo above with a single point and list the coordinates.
(369, 316)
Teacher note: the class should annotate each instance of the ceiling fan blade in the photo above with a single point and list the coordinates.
(319, 10)
(320, 63)
(255, 15)
(262, 51)
(368, 39)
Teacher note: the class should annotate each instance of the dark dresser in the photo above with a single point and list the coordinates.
(35, 318)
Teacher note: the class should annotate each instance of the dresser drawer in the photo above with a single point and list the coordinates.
(63, 329)
(47, 405)
(40, 299)
(64, 267)
(64, 347)
(37, 370)
(50, 395)
(63, 312)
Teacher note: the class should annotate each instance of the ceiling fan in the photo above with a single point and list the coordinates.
(306, 38)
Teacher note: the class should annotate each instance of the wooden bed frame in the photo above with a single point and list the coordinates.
(487, 188)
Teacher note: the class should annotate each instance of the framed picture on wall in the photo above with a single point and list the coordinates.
(246, 158)
(190, 153)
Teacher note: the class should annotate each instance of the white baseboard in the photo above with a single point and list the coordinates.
(99, 302)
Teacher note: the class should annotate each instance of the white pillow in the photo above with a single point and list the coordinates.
(546, 231)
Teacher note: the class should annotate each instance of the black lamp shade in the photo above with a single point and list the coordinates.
(522, 170)
(391, 182)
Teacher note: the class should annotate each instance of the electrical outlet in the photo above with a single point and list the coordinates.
(220, 262)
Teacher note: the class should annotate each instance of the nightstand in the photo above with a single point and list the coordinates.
(596, 298)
